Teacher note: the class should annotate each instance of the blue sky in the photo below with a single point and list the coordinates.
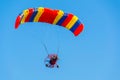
(93, 55)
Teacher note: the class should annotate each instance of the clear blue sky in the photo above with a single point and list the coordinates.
(93, 55)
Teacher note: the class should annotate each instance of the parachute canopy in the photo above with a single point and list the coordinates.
(47, 15)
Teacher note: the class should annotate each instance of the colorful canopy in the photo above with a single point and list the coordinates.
(47, 15)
